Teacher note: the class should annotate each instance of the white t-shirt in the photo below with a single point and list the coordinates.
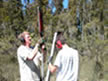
(67, 61)
(29, 69)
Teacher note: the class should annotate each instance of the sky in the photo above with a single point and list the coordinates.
(24, 2)
(65, 4)
(50, 3)
(53, 8)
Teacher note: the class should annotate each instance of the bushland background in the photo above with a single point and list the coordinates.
(91, 41)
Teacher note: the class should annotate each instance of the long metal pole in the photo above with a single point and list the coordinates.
(51, 55)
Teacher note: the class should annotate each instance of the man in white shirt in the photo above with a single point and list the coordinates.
(28, 59)
(66, 63)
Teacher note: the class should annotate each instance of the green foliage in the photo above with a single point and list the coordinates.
(92, 42)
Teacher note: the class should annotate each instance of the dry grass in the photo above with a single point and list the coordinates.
(9, 70)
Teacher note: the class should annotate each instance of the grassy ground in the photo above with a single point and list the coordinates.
(106, 68)
(9, 70)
